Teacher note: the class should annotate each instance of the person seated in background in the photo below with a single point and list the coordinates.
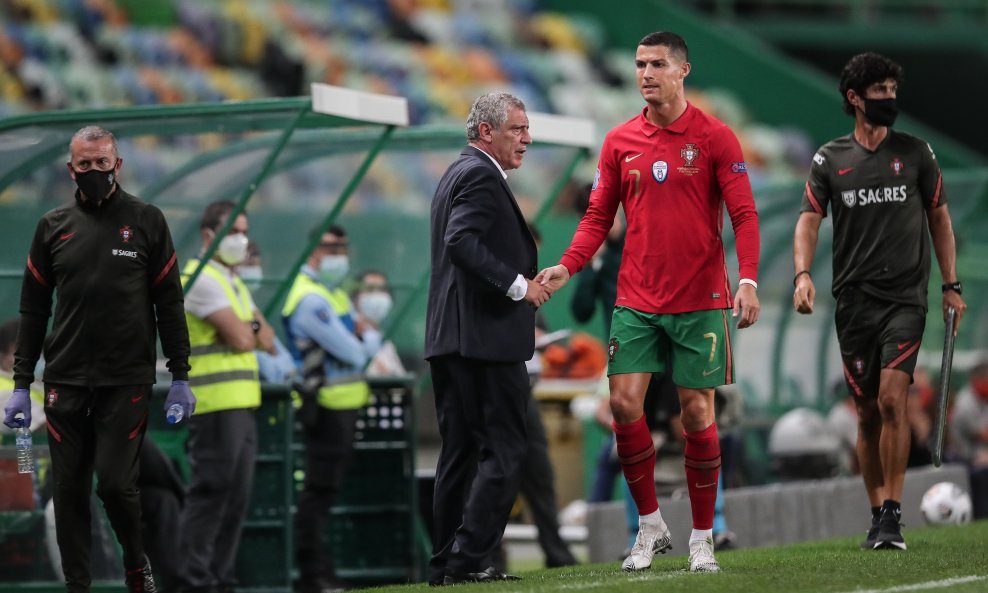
(969, 435)
(919, 401)
(373, 301)
(162, 497)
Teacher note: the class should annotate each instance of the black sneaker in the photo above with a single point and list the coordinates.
(140, 580)
(889, 532)
(872, 537)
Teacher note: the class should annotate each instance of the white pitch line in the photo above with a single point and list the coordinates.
(927, 585)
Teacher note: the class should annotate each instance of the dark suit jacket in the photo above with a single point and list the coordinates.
(480, 243)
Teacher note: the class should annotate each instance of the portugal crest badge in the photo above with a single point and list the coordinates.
(690, 152)
(896, 166)
(51, 398)
(126, 233)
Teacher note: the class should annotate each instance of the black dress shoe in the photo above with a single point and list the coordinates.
(488, 574)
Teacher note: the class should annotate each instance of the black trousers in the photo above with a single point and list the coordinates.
(538, 490)
(222, 450)
(481, 407)
(102, 430)
(328, 452)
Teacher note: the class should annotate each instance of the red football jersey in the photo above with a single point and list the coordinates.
(673, 183)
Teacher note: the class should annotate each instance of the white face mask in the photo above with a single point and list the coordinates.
(333, 269)
(232, 249)
(252, 276)
(375, 306)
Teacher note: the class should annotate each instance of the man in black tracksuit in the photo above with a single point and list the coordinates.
(109, 258)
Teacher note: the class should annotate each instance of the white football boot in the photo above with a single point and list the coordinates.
(702, 556)
(652, 539)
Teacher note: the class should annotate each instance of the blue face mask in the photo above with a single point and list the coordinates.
(333, 269)
(374, 305)
(252, 276)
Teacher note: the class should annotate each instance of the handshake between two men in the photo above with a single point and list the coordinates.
(545, 283)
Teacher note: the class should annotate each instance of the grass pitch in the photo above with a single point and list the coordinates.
(946, 559)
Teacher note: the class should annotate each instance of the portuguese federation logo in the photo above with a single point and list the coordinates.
(612, 348)
(896, 166)
(690, 152)
(51, 398)
(126, 233)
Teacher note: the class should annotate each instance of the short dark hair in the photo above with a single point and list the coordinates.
(333, 229)
(864, 70)
(675, 43)
(8, 333)
(216, 214)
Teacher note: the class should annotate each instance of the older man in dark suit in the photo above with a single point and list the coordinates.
(479, 332)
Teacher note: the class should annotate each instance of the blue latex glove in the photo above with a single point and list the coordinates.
(182, 395)
(19, 403)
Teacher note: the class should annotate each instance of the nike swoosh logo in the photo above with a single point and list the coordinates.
(66, 236)
(136, 399)
(698, 485)
(638, 479)
(710, 372)
(628, 159)
(845, 171)
(902, 345)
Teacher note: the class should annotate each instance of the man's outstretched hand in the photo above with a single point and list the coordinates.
(537, 294)
(553, 278)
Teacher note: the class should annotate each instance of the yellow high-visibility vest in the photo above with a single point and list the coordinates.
(221, 378)
(342, 393)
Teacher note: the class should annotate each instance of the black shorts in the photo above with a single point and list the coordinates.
(875, 334)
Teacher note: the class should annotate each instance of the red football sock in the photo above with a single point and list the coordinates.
(637, 455)
(702, 473)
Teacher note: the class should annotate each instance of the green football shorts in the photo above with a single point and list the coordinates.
(696, 344)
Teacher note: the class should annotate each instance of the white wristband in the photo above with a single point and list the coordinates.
(748, 281)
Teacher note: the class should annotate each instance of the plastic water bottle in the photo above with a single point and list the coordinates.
(25, 456)
(175, 414)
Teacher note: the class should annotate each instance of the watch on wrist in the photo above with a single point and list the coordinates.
(954, 286)
(255, 325)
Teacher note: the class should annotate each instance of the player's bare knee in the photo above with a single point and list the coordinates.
(625, 407)
(892, 406)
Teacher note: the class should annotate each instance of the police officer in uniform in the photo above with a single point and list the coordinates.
(333, 344)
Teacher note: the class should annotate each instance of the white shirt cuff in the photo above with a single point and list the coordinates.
(748, 281)
(518, 289)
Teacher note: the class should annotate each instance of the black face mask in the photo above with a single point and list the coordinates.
(96, 185)
(881, 112)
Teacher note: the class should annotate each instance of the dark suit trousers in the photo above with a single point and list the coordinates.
(481, 407)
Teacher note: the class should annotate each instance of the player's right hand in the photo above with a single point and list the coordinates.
(803, 296)
(553, 278)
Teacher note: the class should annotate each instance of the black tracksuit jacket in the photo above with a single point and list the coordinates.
(114, 272)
